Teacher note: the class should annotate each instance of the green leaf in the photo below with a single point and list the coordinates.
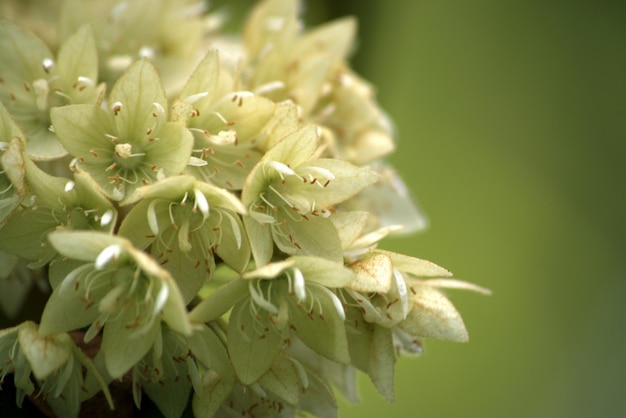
(253, 343)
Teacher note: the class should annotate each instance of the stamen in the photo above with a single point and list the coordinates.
(201, 203)
(195, 97)
(47, 65)
(110, 253)
(107, 217)
(152, 218)
(259, 300)
(69, 186)
(299, 286)
(117, 107)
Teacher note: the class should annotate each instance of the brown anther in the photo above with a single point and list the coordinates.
(26, 86)
(240, 164)
(230, 184)
(94, 153)
(82, 88)
(297, 245)
(306, 218)
(198, 262)
(153, 167)
(240, 101)
(326, 184)
(116, 109)
(111, 167)
(12, 96)
(57, 90)
(313, 180)
(148, 131)
(297, 209)
(211, 150)
(153, 139)
(145, 181)
(412, 290)
(164, 262)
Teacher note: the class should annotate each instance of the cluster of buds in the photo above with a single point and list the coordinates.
(205, 208)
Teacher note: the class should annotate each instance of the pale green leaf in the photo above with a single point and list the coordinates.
(307, 78)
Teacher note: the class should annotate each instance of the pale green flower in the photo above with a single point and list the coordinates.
(54, 203)
(55, 363)
(130, 144)
(12, 182)
(186, 223)
(276, 303)
(289, 196)
(225, 125)
(132, 29)
(32, 82)
(175, 364)
(117, 289)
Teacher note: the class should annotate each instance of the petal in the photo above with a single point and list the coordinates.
(138, 90)
(415, 266)
(44, 353)
(123, 346)
(252, 353)
(433, 316)
(282, 379)
(315, 236)
(322, 271)
(373, 274)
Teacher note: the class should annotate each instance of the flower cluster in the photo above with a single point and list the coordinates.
(205, 209)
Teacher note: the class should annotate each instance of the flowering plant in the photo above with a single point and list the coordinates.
(205, 211)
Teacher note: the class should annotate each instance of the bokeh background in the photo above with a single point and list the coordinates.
(511, 121)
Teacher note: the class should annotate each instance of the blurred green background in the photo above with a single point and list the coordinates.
(512, 135)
